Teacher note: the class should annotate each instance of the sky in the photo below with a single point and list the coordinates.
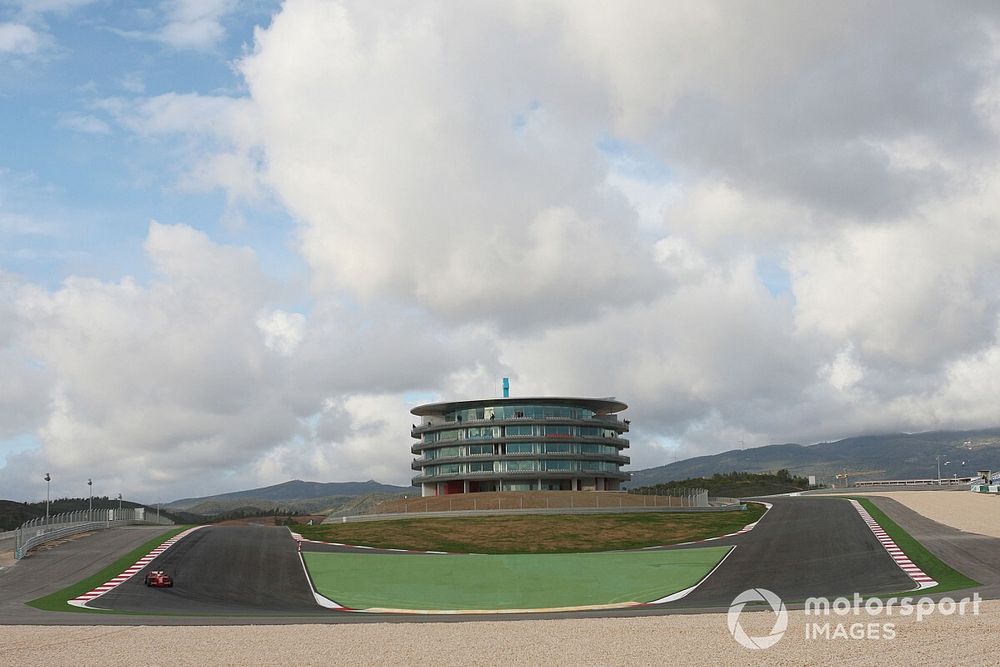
(240, 240)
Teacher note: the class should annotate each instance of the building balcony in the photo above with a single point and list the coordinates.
(522, 475)
(605, 421)
(419, 463)
(620, 443)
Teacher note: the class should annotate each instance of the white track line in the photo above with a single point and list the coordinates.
(115, 582)
(673, 597)
(905, 564)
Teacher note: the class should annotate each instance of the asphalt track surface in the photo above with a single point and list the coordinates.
(222, 570)
(803, 547)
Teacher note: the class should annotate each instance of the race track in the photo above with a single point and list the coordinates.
(222, 570)
(803, 547)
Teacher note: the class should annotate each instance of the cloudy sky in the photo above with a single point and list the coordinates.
(239, 240)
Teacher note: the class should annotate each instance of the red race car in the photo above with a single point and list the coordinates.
(159, 579)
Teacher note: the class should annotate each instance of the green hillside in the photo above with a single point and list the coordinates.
(734, 484)
(894, 456)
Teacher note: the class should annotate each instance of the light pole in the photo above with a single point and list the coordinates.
(90, 508)
(119, 503)
(48, 478)
(938, 457)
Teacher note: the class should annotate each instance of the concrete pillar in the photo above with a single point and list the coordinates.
(465, 486)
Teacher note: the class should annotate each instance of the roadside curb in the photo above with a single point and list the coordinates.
(898, 556)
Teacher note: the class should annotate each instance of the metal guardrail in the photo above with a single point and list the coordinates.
(928, 481)
(39, 531)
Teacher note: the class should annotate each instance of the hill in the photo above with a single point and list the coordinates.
(733, 484)
(333, 498)
(895, 456)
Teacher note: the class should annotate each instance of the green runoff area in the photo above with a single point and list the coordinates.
(59, 601)
(947, 577)
(506, 581)
(537, 533)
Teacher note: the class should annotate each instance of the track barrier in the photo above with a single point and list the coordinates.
(41, 530)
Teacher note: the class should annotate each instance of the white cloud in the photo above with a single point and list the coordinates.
(579, 196)
(83, 123)
(37, 7)
(282, 331)
(195, 24)
(19, 39)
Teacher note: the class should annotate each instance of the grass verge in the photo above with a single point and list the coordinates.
(947, 577)
(507, 581)
(59, 601)
(561, 533)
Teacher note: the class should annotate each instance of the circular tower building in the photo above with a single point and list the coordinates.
(520, 444)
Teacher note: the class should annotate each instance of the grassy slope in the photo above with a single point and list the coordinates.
(58, 601)
(948, 578)
(523, 581)
(536, 533)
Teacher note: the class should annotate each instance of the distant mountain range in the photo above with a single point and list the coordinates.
(331, 498)
(898, 456)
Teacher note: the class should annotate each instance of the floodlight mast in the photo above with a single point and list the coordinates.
(48, 478)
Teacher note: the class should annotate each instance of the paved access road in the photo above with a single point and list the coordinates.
(975, 556)
(48, 570)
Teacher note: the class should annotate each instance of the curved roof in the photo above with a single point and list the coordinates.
(601, 406)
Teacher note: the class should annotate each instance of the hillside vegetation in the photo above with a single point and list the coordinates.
(733, 484)
(893, 456)
(296, 496)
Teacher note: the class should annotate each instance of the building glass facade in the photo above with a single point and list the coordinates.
(520, 444)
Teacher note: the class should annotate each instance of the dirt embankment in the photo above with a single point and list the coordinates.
(512, 500)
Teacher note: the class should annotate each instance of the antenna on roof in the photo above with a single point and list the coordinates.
(506, 387)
